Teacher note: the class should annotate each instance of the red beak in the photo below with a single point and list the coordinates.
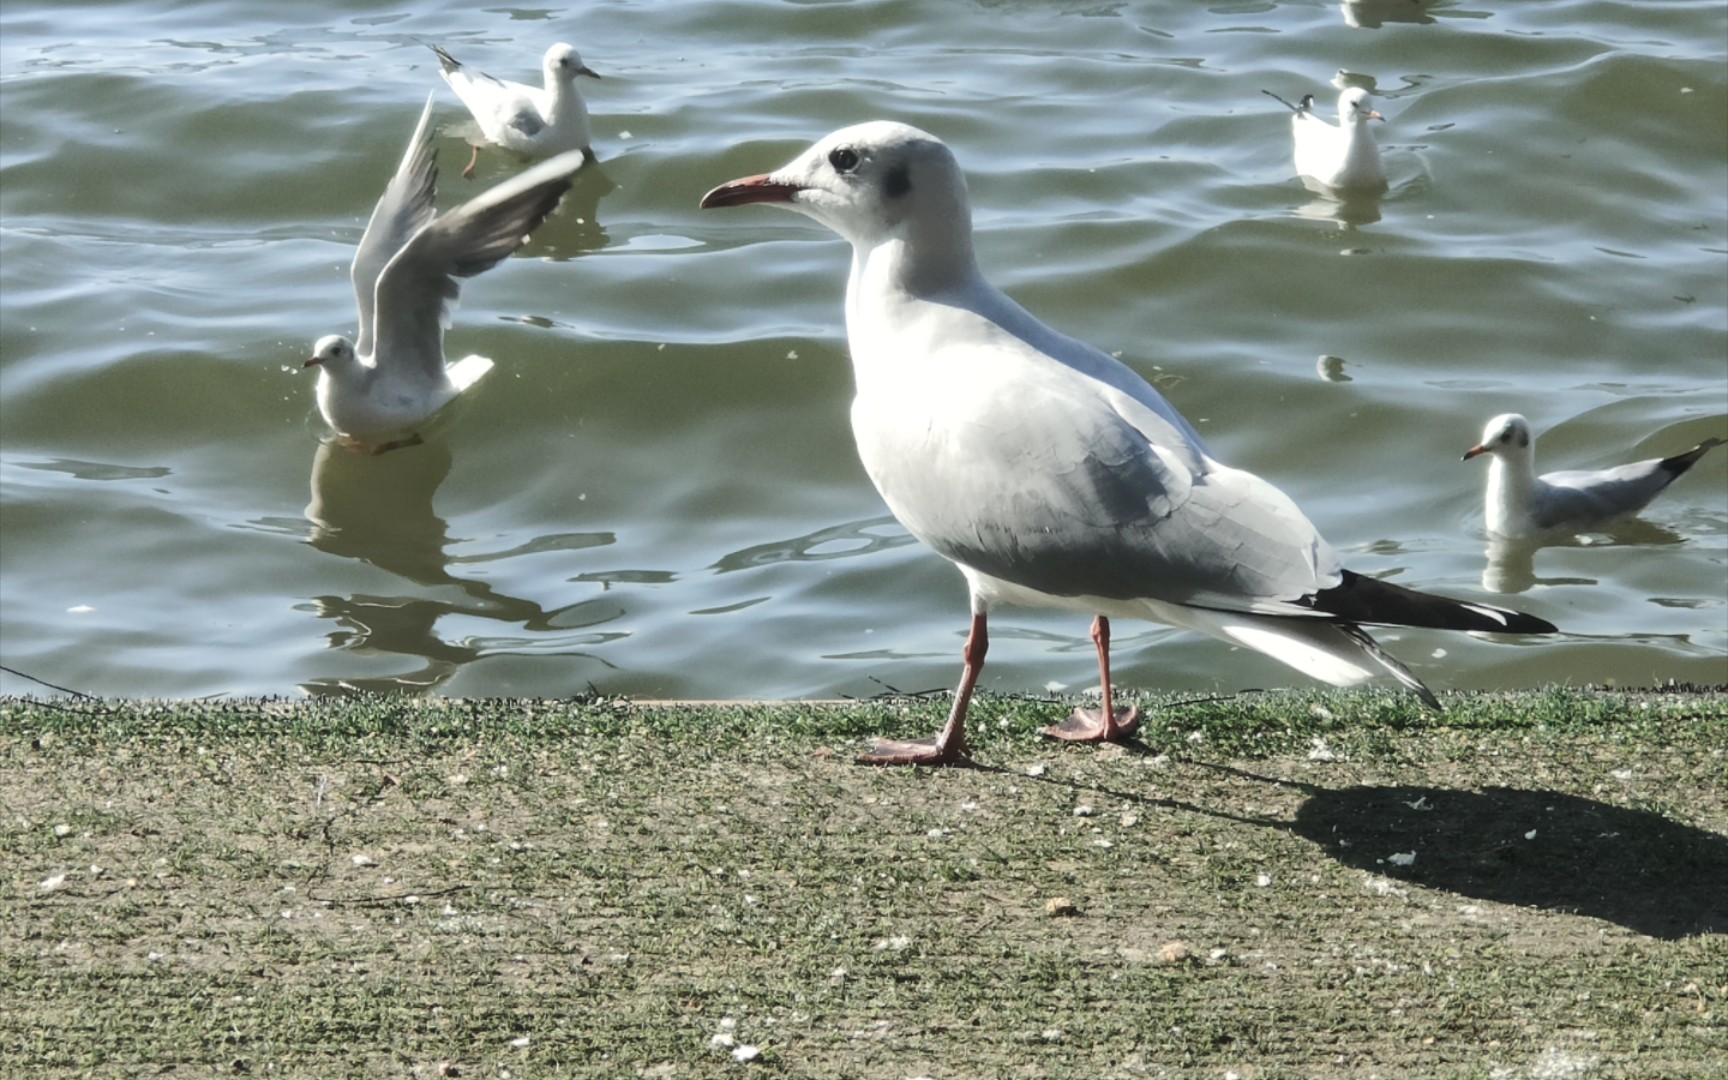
(751, 189)
(1473, 451)
(1375, 115)
(310, 363)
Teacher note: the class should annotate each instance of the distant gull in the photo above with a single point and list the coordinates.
(378, 390)
(1339, 157)
(538, 122)
(1521, 504)
(1051, 474)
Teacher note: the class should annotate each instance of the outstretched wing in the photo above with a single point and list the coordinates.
(403, 210)
(419, 285)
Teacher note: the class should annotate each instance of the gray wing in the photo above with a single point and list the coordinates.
(419, 285)
(403, 210)
(1074, 488)
(1584, 495)
(527, 121)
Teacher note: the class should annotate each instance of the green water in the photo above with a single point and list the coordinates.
(656, 492)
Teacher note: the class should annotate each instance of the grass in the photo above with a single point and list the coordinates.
(397, 887)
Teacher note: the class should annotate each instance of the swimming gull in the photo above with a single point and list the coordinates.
(1521, 504)
(1344, 156)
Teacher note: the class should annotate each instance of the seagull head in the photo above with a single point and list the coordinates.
(1506, 436)
(334, 353)
(1353, 107)
(871, 183)
(563, 63)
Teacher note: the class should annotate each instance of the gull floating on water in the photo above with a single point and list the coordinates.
(535, 121)
(1342, 157)
(1521, 504)
(379, 389)
(1051, 474)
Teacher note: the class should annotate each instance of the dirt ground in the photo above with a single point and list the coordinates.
(726, 896)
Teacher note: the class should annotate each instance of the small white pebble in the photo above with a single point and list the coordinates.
(727, 1023)
(521, 1043)
(1531, 835)
(1621, 774)
(363, 860)
(1051, 1034)
(1402, 858)
(1082, 811)
(52, 883)
(745, 1054)
(1264, 881)
(722, 1041)
(62, 830)
(1034, 770)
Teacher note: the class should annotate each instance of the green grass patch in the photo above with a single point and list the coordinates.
(1276, 885)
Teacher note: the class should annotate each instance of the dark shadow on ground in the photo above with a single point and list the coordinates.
(1532, 848)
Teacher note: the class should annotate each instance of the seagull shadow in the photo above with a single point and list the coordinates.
(1529, 848)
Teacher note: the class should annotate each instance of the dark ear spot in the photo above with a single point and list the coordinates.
(1523, 439)
(898, 182)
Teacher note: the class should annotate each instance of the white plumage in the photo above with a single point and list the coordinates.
(537, 121)
(1051, 474)
(1522, 505)
(1342, 156)
(394, 379)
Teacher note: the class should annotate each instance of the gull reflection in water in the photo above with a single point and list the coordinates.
(1371, 14)
(1511, 563)
(377, 509)
(1348, 208)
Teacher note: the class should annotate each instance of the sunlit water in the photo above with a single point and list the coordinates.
(656, 493)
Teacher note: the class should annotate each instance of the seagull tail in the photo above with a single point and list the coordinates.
(1679, 463)
(1389, 662)
(1359, 599)
(1339, 653)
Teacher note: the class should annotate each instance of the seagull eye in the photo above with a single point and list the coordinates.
(844, 159)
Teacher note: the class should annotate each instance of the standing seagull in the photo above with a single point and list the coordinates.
(1345, 156)
(536, 122)
(378, 390)
(1522, 505)
(1050, 473)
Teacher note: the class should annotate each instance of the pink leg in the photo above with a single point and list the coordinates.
(468, 173)
(1105, 723)
(949, 746)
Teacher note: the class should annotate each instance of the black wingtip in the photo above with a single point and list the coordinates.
(448, 62)
(1679, 463)
(1281, 101)
(1360, 599)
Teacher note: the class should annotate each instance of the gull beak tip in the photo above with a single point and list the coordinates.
(750, 189)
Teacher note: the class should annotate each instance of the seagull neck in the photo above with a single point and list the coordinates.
(1511, 484)
(563, 99)
(916, 266)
